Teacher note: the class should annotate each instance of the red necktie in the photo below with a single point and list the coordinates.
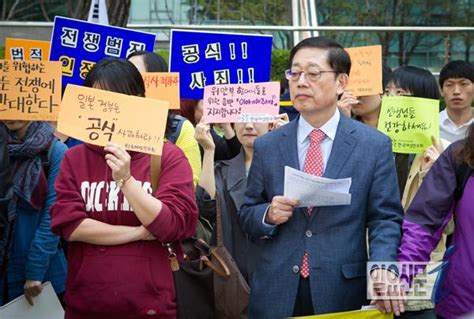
(313, 164)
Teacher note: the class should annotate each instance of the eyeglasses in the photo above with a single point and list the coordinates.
(310, 75)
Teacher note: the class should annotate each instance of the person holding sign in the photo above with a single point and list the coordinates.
(314, 259)
(115, 224)
(33, 254)
(180, 130)
(411, 169)
(456, 80)
(365, 109)
(447, 191)
(415, 82)
(227, 180)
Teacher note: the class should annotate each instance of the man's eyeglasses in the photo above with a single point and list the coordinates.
(310, 75)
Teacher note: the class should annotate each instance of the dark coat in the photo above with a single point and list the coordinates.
(231, 182)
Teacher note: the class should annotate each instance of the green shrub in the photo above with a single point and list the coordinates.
(279, 64)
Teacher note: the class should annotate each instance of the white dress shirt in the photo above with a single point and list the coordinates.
(304, 129)
(449, 130)
(303, 140)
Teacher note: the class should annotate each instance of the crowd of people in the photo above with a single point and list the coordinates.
(97, 224)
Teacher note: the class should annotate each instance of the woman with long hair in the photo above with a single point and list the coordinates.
(116, 224)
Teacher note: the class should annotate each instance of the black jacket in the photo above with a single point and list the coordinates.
(5, 190)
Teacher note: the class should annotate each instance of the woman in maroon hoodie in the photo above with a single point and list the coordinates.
(118, 267)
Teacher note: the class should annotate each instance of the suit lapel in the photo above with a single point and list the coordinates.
(289, 144)
(342, 148)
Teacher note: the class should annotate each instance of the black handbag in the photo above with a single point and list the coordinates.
(208, 283)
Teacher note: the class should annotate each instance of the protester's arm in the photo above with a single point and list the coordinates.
(176, 213)
(429, 213)
(188, 144)
(207, 179)
(45, 244)
(70, 220)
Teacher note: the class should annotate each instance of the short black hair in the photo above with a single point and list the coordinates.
(116, 75)
(386, 75)
(153, 62)
(420, 82)
(456, 70)
(338, 58)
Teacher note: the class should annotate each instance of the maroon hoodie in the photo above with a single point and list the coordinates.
(132, 280)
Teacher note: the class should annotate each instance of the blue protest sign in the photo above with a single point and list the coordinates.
(206, 58)
(80, 44)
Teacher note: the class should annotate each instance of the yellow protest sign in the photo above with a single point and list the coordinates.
(409, 122)
(97, 117)
(356, 314)
(163, 86)
(24, 49)
(30, 90)
(366, 70)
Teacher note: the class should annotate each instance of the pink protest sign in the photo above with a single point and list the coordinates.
(252, 102)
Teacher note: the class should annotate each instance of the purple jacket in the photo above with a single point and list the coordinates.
(428, 215)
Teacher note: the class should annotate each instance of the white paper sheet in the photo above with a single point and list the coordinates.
(315, 191)
(46, 306)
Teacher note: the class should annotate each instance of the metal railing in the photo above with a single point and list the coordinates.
(264, 27)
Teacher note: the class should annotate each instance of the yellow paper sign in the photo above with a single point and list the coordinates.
(24, 49)
(30, 90)
(97, 117)
(409, 122)
(356, 314)
(366, 70)
(163, 86)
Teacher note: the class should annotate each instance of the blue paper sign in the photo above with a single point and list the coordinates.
(206, 58)
(80, 44)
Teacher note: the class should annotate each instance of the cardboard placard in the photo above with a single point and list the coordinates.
(254, 102)
(163, 86)
(207, 58)
(80, 44)
(97, 117)
(30, 90)
(409, 122)
(366, 70)
(25, 49)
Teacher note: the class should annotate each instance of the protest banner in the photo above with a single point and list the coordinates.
(206, 58)
(366, 70)
(253, 102)
(25, 49)
(80, 44)
(355, 314)
(163, 86)
(409, 122)
(97, 117)
(30, 90)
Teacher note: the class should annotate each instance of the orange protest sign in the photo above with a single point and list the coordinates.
(366, 70)
(30, 90)
(24, 49)
(163, 86)
(97, 117)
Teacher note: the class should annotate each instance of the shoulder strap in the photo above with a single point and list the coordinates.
(463, 171)
(155, 171)
(46, 158)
